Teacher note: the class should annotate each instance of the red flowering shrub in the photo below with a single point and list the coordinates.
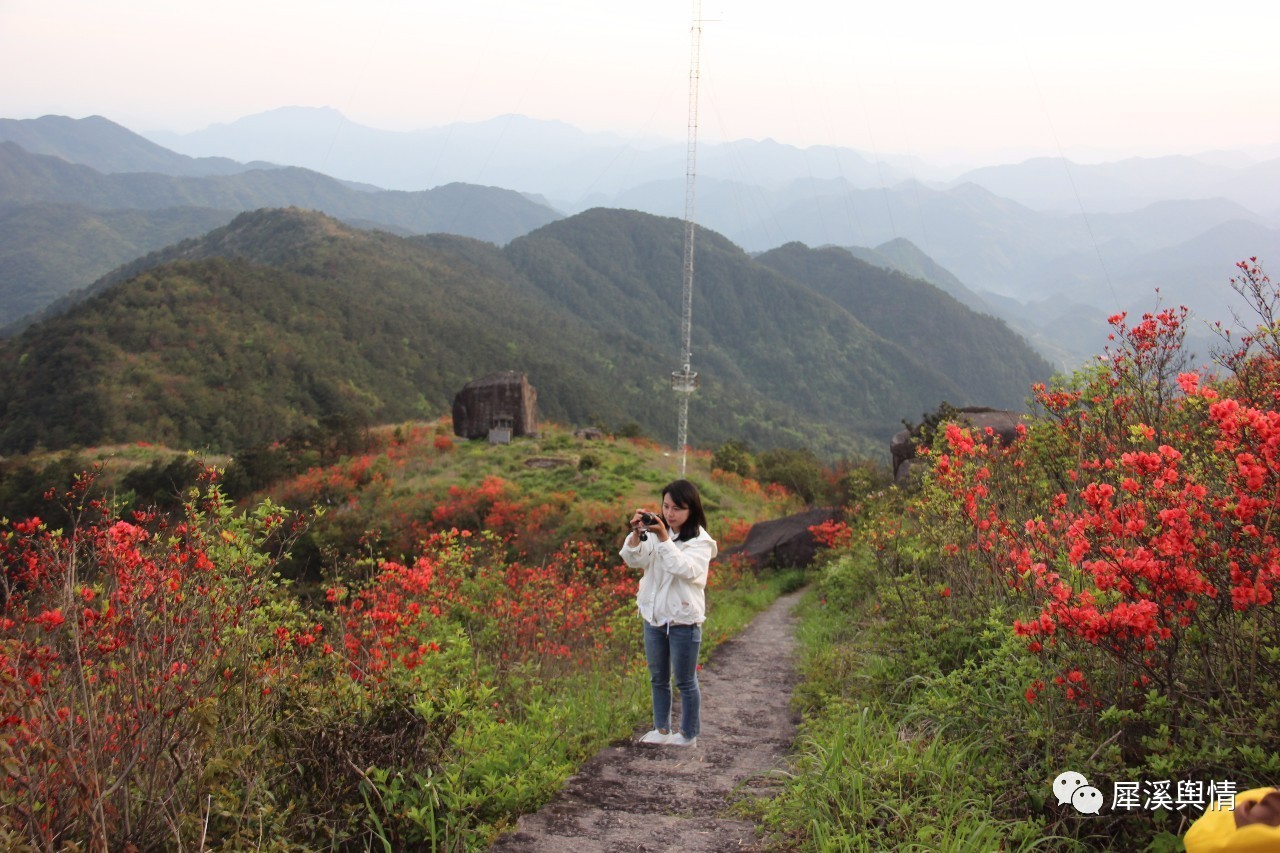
(733, 532)
(729, 571)
(1133, 527)
(132, 655)
(832, 534)
(160, 687)
(331, 485)
(559, 614)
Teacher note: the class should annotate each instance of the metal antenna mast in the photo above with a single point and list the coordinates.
(685, 380)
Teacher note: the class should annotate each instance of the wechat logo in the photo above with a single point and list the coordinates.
(1071, 787)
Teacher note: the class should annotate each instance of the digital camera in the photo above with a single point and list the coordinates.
(646, 518)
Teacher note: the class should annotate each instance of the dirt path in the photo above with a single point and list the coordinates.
(640, 798)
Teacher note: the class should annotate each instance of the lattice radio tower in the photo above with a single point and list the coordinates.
(685, 380)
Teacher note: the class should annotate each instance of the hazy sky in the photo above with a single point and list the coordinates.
(968, 82)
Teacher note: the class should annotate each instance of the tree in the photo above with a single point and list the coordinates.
(798, 470)
(733, 456)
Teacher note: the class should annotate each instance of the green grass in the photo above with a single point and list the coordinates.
(888, 759)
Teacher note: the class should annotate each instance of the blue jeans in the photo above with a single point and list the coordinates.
(674, 649)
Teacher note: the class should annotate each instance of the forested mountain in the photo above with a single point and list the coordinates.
(48, 248)
(273, 323)
(1029, 266)
(976, 351)
(285, 318)
(904, 256)
(67, 224)
(620, 272)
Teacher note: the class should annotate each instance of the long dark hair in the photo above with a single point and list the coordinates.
(685, 496)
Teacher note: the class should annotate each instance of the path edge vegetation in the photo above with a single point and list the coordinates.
(1099, 596)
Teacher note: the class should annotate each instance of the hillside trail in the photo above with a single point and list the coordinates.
(643, 798)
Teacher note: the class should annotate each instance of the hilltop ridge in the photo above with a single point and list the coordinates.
(285, 317)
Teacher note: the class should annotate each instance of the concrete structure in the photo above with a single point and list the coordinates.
(500, 406)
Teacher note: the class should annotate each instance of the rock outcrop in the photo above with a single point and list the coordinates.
(1002, 423)
(785, 541)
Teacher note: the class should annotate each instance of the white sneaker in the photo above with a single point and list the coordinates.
(678, 739)
(656, 736)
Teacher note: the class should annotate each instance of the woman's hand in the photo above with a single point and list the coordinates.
(636, 526)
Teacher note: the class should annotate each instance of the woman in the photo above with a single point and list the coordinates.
(675, 551)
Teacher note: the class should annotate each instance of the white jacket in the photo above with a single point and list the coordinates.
(675, 577)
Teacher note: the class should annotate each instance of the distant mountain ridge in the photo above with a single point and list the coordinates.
(993, 251)
(284, 318)
(107, 147)
(1054, 183)
(576, 170)
(483, 212)
(579, 170)
(66, 224)
(904, 256)
(1016, 260)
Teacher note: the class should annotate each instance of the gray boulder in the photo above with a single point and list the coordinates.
(785, 542)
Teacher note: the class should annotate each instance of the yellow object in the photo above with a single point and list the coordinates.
(1215, 831)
